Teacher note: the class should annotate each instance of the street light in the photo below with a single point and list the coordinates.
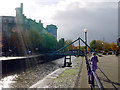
(102, 47)
(88, 68)
(85, 30)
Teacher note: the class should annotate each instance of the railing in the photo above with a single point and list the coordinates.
(97, 80)
(93, 77)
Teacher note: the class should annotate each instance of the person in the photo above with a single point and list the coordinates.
(94, 60)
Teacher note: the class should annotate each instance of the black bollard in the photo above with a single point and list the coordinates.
(65, 62)
(92, 79)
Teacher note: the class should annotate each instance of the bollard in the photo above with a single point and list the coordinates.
(92, 79)
(65, 62)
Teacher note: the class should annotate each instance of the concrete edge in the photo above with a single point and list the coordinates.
(48, 79)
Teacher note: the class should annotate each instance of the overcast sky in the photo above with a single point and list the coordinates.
(71, 16)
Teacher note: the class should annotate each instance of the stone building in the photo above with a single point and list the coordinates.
(19, 24)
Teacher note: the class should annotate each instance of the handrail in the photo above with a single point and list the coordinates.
(99, 84)
(97, 81)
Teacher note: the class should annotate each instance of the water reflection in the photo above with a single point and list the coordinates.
(6, 81)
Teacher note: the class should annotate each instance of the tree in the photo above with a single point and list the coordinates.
(88, 49)
(106, 46)
(93, 44)
(71, 47)
(61, 43)
(113, 46)
(82, 47)
(49, 42)
(99, 45)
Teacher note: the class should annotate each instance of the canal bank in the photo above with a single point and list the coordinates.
(30, 76)
(77, 77)
(67, 77)
(15, 64)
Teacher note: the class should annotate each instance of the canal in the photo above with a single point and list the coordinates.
(30, 76)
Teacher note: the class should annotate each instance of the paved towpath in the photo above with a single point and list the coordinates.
(109, 67)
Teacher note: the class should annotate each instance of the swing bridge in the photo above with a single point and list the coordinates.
(79, 52)
(70, 53)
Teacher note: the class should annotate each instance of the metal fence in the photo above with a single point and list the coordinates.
(93, 76)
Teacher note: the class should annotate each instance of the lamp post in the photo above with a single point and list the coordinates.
(85, 30)
(102, 47)
(87, 64)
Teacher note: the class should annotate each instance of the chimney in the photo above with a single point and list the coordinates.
(22, 8)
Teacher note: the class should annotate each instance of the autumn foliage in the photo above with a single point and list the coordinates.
(99, 45)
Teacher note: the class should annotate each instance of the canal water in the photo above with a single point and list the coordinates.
(30, 76)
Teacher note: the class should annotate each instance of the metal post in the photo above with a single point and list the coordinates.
(87, 63)
(86, 47)
(79, 46)
(70, 60)
(86, 42)
(89, 73)
(65, 62)
(86, 50)
(92, 79)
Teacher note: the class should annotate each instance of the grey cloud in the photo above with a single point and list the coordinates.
(46, 2)
(101, 20)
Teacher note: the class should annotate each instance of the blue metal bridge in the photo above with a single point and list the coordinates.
(79, 52)
(70, 53)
